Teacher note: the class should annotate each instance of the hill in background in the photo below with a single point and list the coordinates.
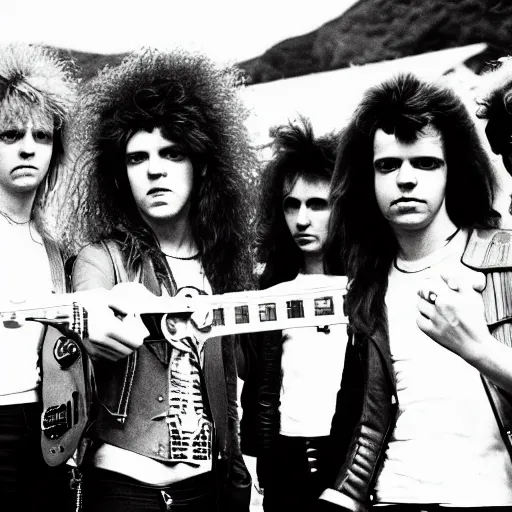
(370, 31)
(376, 30)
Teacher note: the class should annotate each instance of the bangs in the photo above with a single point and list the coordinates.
(16, 112)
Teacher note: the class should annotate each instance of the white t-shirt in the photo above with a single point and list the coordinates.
(446, 447)
(25, 273)
(312, 366)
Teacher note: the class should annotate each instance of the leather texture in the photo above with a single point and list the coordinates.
(367, 404)
(133, 391)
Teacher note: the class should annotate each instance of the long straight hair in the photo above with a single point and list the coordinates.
(402, 106)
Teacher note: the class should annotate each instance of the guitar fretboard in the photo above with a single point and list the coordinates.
(280, 307)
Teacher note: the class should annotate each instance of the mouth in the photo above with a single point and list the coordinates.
(303, 238)
(405, 200)
(24, 168)
(157, 191)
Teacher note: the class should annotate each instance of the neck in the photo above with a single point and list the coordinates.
(415, 245)
(175, 237)
(17, 207)
(314, 263)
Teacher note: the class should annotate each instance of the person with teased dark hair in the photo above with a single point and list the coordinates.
(162, 200)
(293, 374)
(421, 417)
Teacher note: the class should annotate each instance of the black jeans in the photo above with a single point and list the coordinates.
(26, 482)
(299, 474)
(106, 491)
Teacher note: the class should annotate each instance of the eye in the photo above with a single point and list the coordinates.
(427, 163)
(135, 158)
(174, 153)
(290, 204)
(385, 165)
(10, 136)
(317, 204)
(43, 137)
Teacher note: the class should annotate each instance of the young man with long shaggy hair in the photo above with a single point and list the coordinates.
(298, 370)
(422, 412)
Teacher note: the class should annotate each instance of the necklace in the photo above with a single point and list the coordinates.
(11, 221)
(395, 261)
(193, 257)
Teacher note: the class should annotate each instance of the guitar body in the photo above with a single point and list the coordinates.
(67, 373)
(67, 391)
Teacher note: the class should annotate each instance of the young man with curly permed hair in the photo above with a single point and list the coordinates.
(293, 375)
(423, 417)
(162, 201)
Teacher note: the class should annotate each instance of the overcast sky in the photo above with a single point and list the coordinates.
(230, 30)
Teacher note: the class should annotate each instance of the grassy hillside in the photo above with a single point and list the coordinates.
(374, 30)
(370, 31)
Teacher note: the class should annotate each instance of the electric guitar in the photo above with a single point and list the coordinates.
(67, 372)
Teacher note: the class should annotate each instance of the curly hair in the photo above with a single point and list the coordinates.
(403, 106)
(496, 105)
(297, 154)
(196, 105)
(36, 85)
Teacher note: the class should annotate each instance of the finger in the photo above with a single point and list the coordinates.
(479, 281)
(463, 278)
(452, 282)
(425, 324)
(426, 309)
(112, 351)
(427, 295)
(127, 298)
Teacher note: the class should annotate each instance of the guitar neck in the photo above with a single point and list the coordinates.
(280, 307)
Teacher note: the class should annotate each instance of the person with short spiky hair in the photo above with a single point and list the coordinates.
(292, 376)
(162, 200)
(423, 415)
(36, 93)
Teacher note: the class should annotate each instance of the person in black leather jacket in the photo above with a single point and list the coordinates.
(294, 374)
(420, 422)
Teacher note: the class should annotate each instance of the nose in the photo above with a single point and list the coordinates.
(27, 145)
(155, 168)
(303, 217)
(406, 177)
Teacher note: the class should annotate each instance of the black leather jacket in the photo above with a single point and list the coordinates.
(367, 404)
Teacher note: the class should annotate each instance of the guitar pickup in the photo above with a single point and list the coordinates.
(58, 419)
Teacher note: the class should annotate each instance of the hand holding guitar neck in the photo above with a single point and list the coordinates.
(115, 329)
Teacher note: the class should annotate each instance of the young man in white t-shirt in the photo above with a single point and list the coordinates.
(300, 369)
(424, 428)
(36, 95)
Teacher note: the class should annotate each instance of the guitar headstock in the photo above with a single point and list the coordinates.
(50, 309)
